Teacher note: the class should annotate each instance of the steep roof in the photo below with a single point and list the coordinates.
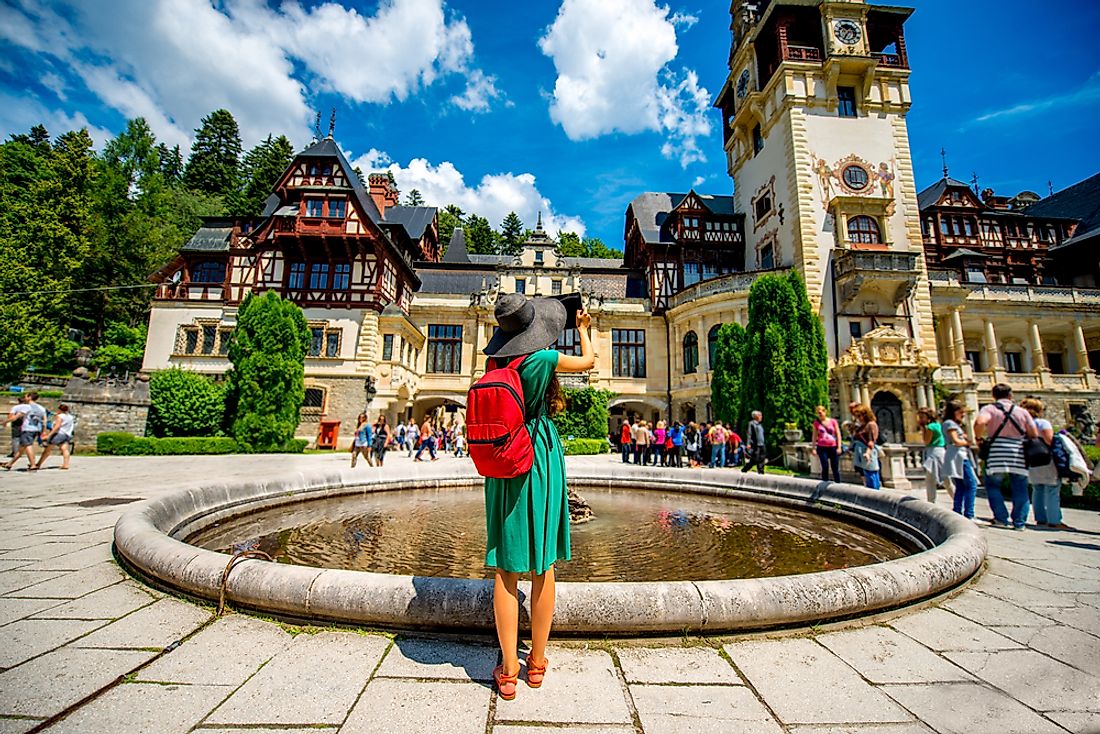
(415, 219)
(454, 282)
(456, 249)
(327, 148)
(931, 195)
(1080, 201)
(213, 236)
(593, 262)
(652, 208)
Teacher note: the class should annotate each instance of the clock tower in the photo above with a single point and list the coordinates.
(816, 142)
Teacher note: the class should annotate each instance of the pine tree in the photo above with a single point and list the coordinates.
(214, 165)
(260, 171)
(570, 245)
(512, 234)
(414, 198)
(171, 163)
(594, 247)
(480, 237)
(265, 388)
(450, 217)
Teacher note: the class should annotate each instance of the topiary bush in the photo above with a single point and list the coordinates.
(585, 446)
(183, 403)
(266, 386)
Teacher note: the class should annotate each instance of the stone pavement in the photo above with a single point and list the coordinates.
(84, 648)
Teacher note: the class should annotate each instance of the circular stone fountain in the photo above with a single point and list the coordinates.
(702, 551)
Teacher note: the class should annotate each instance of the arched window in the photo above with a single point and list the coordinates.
(863, 230)
(712, 344)
(691, 353)
(208, 271)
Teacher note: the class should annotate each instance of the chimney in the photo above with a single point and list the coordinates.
(383, 190)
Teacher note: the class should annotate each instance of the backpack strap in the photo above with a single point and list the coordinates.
(1007, 419)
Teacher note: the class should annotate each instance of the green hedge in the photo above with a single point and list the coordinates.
(126, 444)
(41, 393)
(585, 446)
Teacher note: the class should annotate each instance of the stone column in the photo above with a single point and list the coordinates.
(1080, 348)
(992, 352)
(922, 397)
(957, 337)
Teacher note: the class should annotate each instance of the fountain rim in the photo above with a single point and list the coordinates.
(146, 543)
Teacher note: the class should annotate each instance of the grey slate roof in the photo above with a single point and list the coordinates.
(964, 252)
(454, 282)
(931, 195)
(1080, 201)
(652, 208)
(415, 219)
(593, 262)
(456, 248)
(491, 259)
(328, 148)
(210, 238)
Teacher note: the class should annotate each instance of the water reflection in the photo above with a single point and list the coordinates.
(636, 536)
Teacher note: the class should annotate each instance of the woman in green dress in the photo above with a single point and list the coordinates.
(527, 517)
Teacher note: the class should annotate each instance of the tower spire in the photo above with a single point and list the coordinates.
(538, 224)
(332, 123)
(943, 157)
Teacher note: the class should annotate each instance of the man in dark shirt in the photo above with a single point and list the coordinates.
(16, 426)
(755, 444)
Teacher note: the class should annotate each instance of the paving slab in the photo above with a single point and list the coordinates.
(51, 683)
(967, 708)
(225, 653)
(155, 626)
(74, 561)
(280, 730)
(75, 584)
(12, 581)
(1078, 722)
(316, 680)
(28, 638)
(941, 630)
(1022, 594)
(42, 551)
(12, 565)
(884, 655)
(676, 665)
(1034, 679)
(701, 710)
(13, 609)
(1084, 618)
(17, 726)
(913, 727)
(426, 658)
(135, 708)
(991, 611)
(390, 706)
(1070, 645)
(110, 602)
(804, 683)
(1044, 580)
(581, 687)
(520, 729)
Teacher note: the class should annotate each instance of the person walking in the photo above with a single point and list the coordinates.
(676, 436)
(60, 435)
(1046, 485)
(33, 416)
(380, 442)
(460, 441)
(641, 442)
(660, 458)
(1005, 426)
(756, 445)
(626, 440)
(527, 517)
(412, 433)
(360, 442)
(691, 444)
(958, 461)
(867, 445)
(935, 449)
(827, 443)
(717, 437)
(427, 439)
(16, 421)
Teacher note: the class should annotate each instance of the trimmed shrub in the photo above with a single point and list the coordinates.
(586, 413)
(113, 444)
(183, 403)
(266, 386)
(585, 446)
(127, 444)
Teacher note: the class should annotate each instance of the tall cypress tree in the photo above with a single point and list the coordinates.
(260, 171)
(214, 165)
(725, 385)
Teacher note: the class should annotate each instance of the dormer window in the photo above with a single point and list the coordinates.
(314, 207)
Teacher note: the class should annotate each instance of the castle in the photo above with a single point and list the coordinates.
(915, 289)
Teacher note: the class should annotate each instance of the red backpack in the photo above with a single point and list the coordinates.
(496, 431)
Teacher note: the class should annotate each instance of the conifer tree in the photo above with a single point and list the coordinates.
(171, 163)
(414, 198)
(726, 371)
(450, 217)
(260, 171)
(512, 234)
(480, 237)
(214, 165)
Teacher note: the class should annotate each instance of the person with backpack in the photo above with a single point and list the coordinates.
(526, 501)
(676, 439)
(1046, 485)
(1006, 426)
(827, 443)
(60, 435)
(33, 416)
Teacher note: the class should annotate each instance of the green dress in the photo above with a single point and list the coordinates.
(527, 517)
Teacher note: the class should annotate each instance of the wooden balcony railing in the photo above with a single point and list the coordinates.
(893, 61)
(803, 53)
(190, 292)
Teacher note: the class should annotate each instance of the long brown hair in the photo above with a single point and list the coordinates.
(555, 398)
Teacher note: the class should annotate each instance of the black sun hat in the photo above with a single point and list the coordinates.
(525, 325)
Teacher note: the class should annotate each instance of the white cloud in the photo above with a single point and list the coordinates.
(686, 20)
(54, 83)
(493, 197)
(612, 61)
(173, 61)
(480, 89)
(20, 114)
(1087, 93)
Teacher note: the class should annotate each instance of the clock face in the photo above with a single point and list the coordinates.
(743, 84)
(847, 32)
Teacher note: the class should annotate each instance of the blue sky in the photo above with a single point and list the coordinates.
(571, 107)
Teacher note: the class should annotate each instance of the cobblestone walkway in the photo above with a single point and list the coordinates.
(84, 648)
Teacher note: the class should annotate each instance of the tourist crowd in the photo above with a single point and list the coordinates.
(692, 444)
(373, 440)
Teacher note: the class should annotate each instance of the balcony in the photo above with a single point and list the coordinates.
(802, 53)
(187, 291)
(890, 61)
(856, 270)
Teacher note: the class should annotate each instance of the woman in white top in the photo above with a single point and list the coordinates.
(1046, 486)
(61, 435)
(958, 463)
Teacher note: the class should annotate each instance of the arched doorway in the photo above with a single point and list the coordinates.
(891, 423)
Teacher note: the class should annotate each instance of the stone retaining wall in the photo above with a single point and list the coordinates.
(104, 406)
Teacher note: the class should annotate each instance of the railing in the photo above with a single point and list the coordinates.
(848, 261)
(189, 292)
(1074, 382)
(732, 283)
(803, 53)
(894, 61)
(575, 380)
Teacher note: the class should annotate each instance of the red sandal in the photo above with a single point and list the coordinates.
(506, 684)
(535, 673)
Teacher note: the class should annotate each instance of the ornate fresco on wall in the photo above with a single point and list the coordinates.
(853, 176)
